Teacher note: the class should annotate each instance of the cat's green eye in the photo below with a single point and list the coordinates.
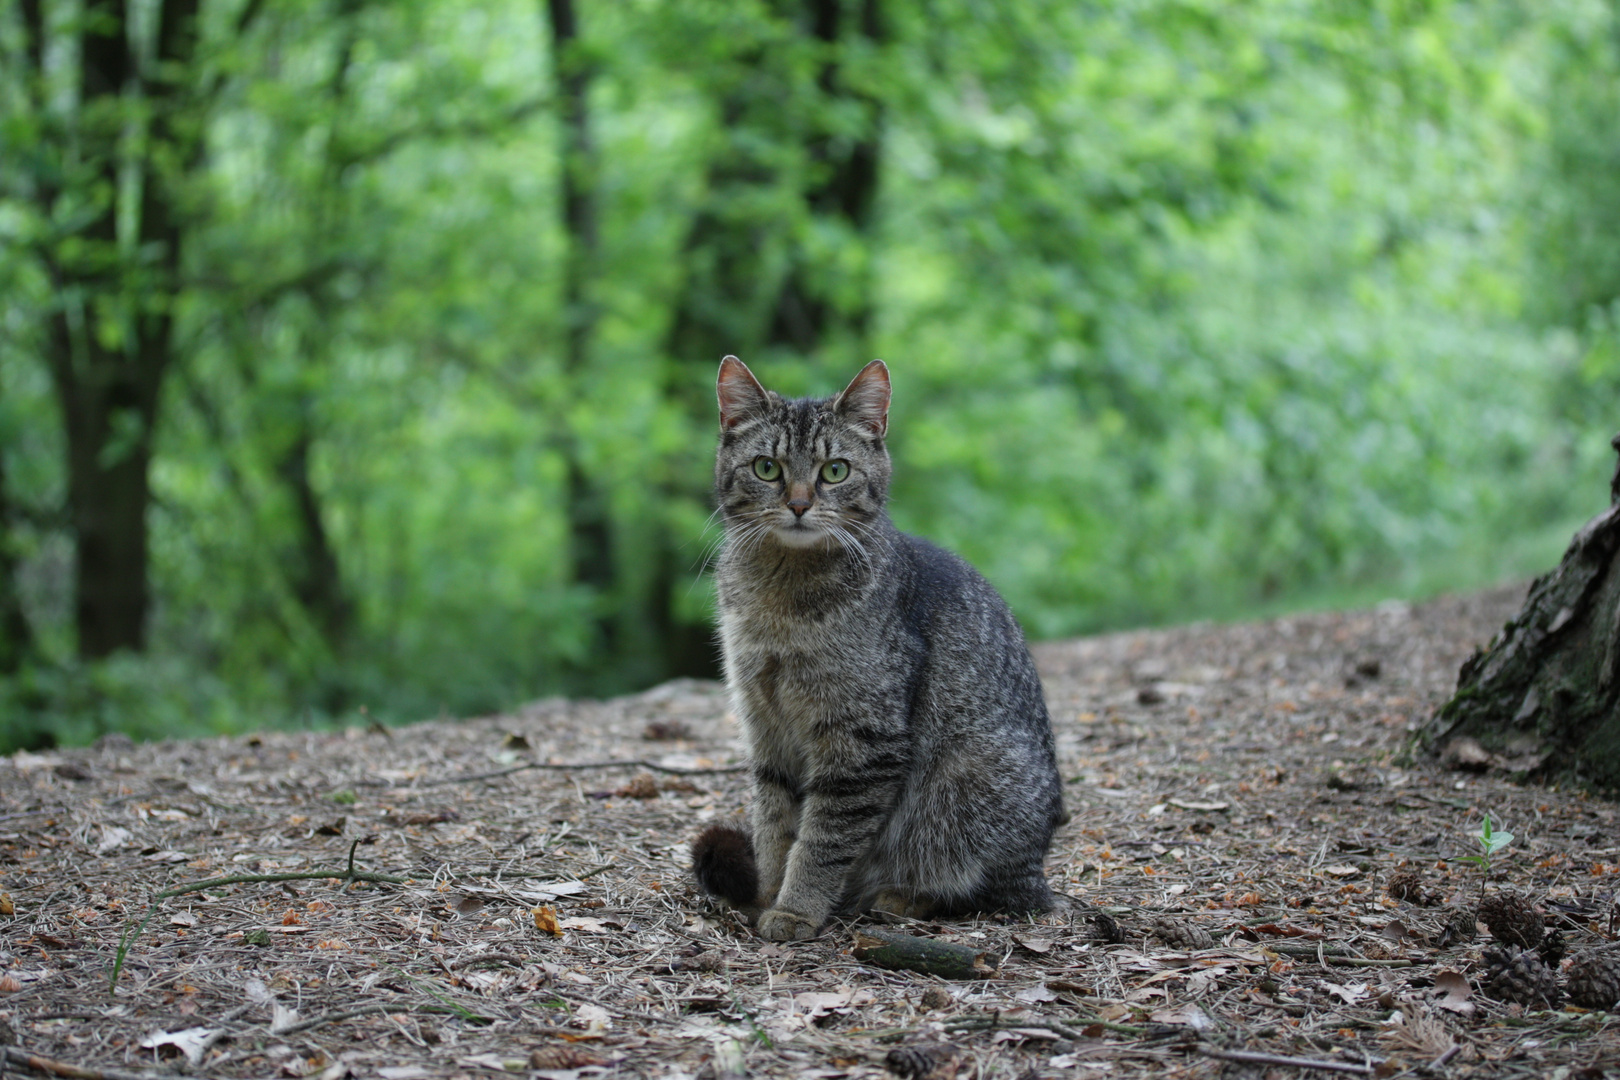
(766, 469)
(834, 471)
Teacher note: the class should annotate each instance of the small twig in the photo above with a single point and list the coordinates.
(75, 1072)
(992, 1023)
(586, 999)
(1309, 951)
(33, 813)
(486, 958)
(1255, 1058)
(635, 763)
(1456, 1048)
(367, 1010)
(460, 1010)
(128, 938)
(1329, 954)
(247, 879)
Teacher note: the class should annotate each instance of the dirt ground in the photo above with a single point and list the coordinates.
(521, 900)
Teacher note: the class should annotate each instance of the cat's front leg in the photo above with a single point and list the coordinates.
(840, 820)
(774, 818)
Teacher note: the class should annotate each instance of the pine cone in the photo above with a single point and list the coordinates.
(1519, 976)
(1460, 926)
(1552, 948)
(909, 1061)
(916, 1062)
(1182, 935)
(1512, 920)
(1594, 981)
(563, 1057)
(1107, 928)
(1408, 886)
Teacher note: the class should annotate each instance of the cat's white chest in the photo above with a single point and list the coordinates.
(779, 688)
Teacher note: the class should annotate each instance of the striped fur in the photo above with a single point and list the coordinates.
(902, 756)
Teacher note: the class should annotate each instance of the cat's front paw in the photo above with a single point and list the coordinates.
(779, 924)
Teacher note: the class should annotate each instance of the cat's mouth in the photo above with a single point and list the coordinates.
(800, 532)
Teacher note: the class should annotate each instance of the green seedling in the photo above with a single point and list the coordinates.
(1490, 841)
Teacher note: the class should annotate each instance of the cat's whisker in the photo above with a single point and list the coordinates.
(850, 543)
(708, 523)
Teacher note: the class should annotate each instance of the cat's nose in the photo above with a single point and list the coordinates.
(799, 501)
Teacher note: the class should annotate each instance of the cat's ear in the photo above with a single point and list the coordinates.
(865, 401)
(739, 392)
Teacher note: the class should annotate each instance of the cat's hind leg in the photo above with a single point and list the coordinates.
(905, 905)
(1018, 891)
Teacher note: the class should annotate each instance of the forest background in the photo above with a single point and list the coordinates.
(358, 357)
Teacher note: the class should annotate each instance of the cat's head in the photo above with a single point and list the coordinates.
(806, 473)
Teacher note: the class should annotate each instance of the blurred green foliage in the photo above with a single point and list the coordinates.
(1193, 308)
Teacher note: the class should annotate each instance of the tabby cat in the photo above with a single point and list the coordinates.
(901, 752)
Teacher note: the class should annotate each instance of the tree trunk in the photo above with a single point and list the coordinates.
(733, 300)
(111, 341)
(590, 525)
(315, 577)
(1546, 690)
(16, 633)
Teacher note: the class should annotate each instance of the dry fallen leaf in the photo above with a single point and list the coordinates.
(816, 1004)
(191, 1042)
(1348, 994)
(1454, 986)
(282, 1018)
(113, 837)
(545, 920)
(1188, 1015)
(593, 1018)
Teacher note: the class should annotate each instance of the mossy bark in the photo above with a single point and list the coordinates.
(1546, 690)
(903, 952)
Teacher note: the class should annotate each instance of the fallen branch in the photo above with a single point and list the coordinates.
(367, 1010)
(75, 1072)
(902, 952)
(127, 938)
(996, 1021)
(32, 813)
(635, 763)
(249, 879)
(1256, 1058)
(1330, 954)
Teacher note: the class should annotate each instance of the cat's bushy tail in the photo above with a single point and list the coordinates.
(723, 863)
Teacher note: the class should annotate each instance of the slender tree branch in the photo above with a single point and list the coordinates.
(364, 152)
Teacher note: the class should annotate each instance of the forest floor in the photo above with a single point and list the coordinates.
(522, 901)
